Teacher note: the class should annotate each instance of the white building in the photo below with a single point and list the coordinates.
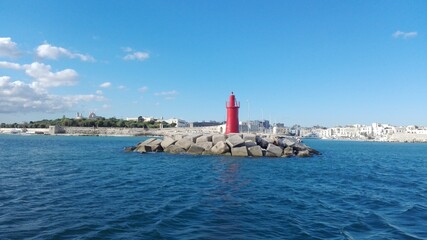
(178, 122)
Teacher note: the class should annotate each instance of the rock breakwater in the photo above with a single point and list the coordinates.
(241, 145)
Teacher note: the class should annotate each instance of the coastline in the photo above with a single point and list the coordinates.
(135, 132)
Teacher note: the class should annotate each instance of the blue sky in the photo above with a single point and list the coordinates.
(305, 62)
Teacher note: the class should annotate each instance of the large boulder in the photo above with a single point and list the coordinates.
(274, 151)
(249, 143)
(167, 141)
(239, 151)
(193, 137)
(220, 148)
(218, 138)
(194, 149)
(255, 151)
(304, 153)
(154, 146)
(264, 142)
(288, 141)
(141, 146)
(288, 152)
(249, 136)
(174, 149)
(235, 141)
(177, 137)
(206, 145)
(300, 146)
(184, 143)
(204, 138)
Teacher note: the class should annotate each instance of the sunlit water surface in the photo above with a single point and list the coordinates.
(86, 187)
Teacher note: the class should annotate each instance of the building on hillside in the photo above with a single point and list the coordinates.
(178, 122)
(93, 116)
(79, 116)
(136, 119)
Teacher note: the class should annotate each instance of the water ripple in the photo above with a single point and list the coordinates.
(80, 188)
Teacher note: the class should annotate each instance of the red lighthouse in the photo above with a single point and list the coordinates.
(232, 115)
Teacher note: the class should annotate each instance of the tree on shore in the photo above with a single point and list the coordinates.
(100, 122)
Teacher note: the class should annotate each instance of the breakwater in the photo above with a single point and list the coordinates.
(240, 145)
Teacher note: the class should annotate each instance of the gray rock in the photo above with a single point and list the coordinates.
(288, 142)
(255, 151)
(206, 145)
(220, 148)
(288, 152)
(129, 149)
(235, 141)
(313, 151)
(249, 143)
(274, 151)
(141, 146)
(167, 141)
(204, 138)
(184, 143)
(177, 137)
(304, 153)
(194, 149)
(300, 146)
(239, 151)
(249, 136)
(218, 138)
(174, 149)
(264, 142)
(193, 137)
(147, 141)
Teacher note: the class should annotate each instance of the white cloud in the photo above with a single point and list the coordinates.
(121, 87)
(105, 85)
(166, 93)
(43, 75)
(51, 52)
(99, 92)
(18, 96)
(106, 106)
(143, 89)
(10, 65)
(8, 48)
(141, 56)
(127, 49)
(45, 78)
(404, 35)
(135, 55)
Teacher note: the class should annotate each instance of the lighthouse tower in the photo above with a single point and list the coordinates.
(232, 115)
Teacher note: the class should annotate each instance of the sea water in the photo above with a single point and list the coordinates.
(58, 187)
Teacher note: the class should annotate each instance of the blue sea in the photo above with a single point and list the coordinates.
(59, 187)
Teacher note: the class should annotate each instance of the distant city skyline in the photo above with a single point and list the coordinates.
(311, 63)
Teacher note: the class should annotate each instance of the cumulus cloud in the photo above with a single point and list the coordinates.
(99, 92)
(404, 35)
(10, 65)
(105, 85)
(18, 96)
(135, 55)
(52, 52)
(143, 89)
(8, 48)
(43, 75)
